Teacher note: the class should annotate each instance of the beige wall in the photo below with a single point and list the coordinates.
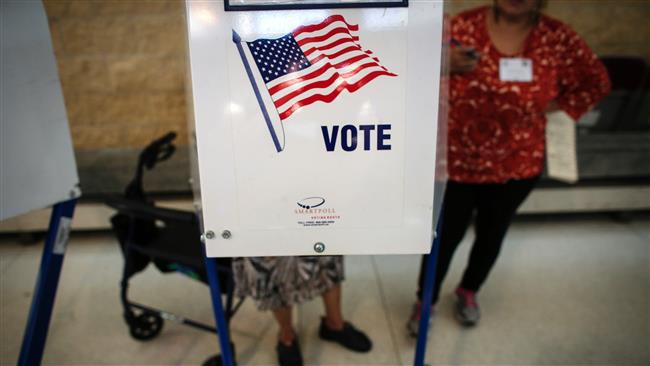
(610, 27)
(122, 62)
(122, 69)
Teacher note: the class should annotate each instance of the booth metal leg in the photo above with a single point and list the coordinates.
(429, 283)
(222, 326)
(47, 281)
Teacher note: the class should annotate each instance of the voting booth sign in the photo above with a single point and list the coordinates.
(316, 125)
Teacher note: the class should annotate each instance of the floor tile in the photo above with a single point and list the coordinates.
(565, 291)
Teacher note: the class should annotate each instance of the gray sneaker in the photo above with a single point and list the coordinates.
(467, 310)
(413, 324)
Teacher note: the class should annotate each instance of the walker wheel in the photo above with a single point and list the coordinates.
(216, 359)
(146, 326)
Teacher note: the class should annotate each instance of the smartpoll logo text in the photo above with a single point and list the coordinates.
(313, 206)
(312, 213)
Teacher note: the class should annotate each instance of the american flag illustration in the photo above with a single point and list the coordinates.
(313, 63)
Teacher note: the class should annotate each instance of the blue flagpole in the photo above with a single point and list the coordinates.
(237, 40)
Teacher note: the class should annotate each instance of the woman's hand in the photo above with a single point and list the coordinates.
(463, 59)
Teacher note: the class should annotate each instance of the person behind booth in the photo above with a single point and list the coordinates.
(279, 283)
(510, 64)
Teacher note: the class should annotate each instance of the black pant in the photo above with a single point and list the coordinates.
(495, 206)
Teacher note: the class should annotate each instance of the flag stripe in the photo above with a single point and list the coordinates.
(350, 61)
(336, 43)
(323, 24)
(331, 96)
(324, 81)
(323, 72)
(329, 51)
(325, 37)
(338, 53)
(305, 85)
(326, 46)
(343, 59)
(326, 89)
(338, 62)
(319, 84)
(325, 30)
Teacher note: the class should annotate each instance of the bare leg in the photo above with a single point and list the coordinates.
(332, 301)
(287, 334)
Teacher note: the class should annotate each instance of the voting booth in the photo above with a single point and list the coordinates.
(37, 163)
(316, 125)
(37, 160)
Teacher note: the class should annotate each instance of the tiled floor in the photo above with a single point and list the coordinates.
(566, 291)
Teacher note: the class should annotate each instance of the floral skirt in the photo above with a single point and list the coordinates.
(276, 282)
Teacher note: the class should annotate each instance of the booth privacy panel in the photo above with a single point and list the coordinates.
(37, 164)
(316, 129)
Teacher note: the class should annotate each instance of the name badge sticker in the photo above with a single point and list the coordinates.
(516, 69)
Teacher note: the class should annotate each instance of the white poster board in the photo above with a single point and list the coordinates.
(316, 129)
(37, 164)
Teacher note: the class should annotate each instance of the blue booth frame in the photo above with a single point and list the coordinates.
(47, 281)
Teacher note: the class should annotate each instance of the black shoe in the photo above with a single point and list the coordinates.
(289, 355)
(349, 337)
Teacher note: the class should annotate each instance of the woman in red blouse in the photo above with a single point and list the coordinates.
(510, 65)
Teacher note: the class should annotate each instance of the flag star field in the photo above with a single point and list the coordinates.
(277, 57)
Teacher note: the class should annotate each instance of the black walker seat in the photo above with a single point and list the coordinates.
(169, 238)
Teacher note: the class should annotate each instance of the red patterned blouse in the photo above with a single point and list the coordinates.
(496, 128)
